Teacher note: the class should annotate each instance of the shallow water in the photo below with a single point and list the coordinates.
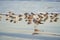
(17, 36)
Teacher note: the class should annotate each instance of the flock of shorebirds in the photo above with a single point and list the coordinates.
(36, 18)
(29, 18)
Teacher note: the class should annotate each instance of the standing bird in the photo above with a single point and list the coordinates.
(7, 17)
(20, 17)
(26, 15)
(46, 17)
(29, 19)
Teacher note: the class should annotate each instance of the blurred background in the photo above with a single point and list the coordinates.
(20, 29)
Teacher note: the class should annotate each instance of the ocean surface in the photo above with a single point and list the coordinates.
(19, 36)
